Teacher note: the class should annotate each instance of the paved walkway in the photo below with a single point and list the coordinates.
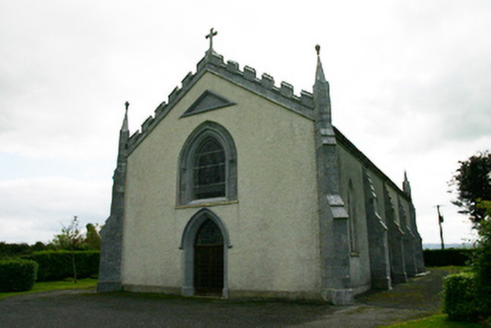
(416, 299)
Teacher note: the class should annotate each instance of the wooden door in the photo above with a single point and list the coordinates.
(208, 259)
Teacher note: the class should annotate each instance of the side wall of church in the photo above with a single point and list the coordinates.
(352, 190)
(378, 186)
(273, 225)
(396, 212)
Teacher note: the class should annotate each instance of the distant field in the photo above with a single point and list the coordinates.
(439, 246)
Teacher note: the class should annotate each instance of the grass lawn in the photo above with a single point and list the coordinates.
(47, 286)
(435, 321)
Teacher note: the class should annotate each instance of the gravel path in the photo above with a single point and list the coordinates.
(416, 299)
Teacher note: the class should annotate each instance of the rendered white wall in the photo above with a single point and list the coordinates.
(274, 225)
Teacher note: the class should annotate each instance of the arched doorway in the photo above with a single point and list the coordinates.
(205, 243)
(208, 259)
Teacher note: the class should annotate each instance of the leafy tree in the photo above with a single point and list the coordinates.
(93, 239)
(70, 239)
(472, 182)
(13, 250)
(38, 247)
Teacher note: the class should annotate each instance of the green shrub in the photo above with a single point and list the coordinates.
(460, 302)
(481, 265)
(57, 265)
(447, 257)
(17, 275)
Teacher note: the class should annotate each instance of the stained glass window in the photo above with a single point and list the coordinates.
(209, 170)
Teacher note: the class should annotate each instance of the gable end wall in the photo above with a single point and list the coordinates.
(273, 226)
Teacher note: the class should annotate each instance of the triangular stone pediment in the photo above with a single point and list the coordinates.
(206, 102)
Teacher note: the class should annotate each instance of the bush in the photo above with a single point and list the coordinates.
(447, 257)
(17, 275)
(460, 301)
(481, 265)
(57, 265)
(468, 297)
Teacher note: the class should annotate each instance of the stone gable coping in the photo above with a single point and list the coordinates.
(173, 94)
(214, 63)
(247, 78)
(267, 81)
(160, 109)
(307, 99)
(249, 73)
(286, 90)
(147, 123)
(187, 79)
(233, 67)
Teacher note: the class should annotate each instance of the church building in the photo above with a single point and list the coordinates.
(237, 187)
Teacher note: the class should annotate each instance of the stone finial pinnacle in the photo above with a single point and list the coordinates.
(319, 74)
(125, 121)
(322, 99)
(406, 186)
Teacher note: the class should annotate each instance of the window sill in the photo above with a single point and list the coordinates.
(207, 203)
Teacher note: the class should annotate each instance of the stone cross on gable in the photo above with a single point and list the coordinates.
(210, 36)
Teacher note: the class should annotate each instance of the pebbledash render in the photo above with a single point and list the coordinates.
(239, 188)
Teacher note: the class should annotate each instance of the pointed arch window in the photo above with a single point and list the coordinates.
(208, 166)
(209, 170)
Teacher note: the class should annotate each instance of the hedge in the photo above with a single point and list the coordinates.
(57, 265)
(446, 257)
(17, 275)
(460, 301)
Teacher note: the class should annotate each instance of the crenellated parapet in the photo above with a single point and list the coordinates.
(265, 85)
(214, 63)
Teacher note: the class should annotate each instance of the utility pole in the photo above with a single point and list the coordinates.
(440, 221)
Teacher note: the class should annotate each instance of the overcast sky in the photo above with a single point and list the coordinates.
(410, 87)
